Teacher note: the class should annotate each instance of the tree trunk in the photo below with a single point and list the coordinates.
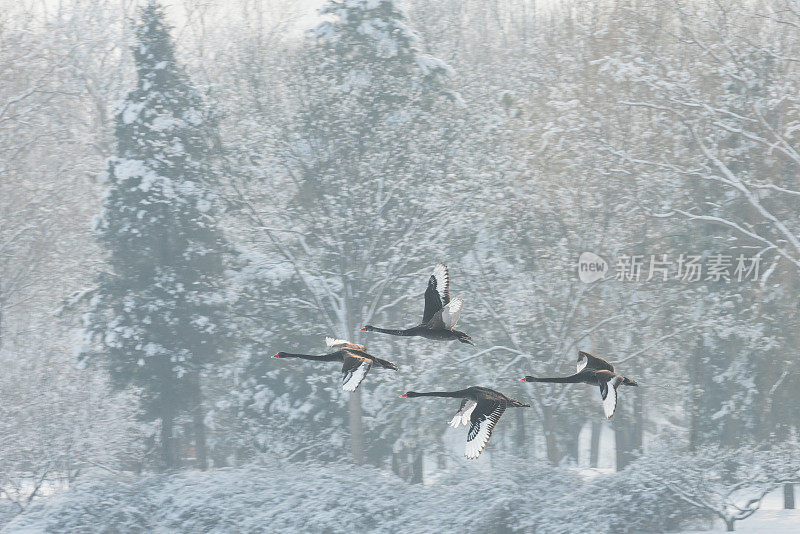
(638, 417)
(416, 467)
(201, 451)
(729, 524)
(549, 435)
(574, 446)
(168, 457)
(594, 448)
(626, 437)
(356, 428)
(621, 432)
(396, 464)
(199, 423)
(695, 396)
(522, 442)
(788, 496)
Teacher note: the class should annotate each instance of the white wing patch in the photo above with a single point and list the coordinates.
(452, 312)
(583, 361)
(331, 342)
(442, 276)
(610, 402)
(462, 416)
(352, 381)
(481, 437)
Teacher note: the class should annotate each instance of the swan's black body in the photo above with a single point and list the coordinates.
(595, 372)
(356, 361)
(440, 314)
(474, 393)
(480, 407)
(593, 378)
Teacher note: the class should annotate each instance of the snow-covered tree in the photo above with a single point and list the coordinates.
(718, 95)
(360, 208)
(729, 483)
(158, 315)
(60, 420)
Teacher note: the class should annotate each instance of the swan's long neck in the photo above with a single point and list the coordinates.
(324, 358)
(557, 379)
(394, 331)
(460, 394)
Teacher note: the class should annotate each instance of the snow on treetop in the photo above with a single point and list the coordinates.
(164, 122)
(131, 111)
(381, 20)
(430, 65)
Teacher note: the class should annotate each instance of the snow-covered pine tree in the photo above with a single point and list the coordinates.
(158, 315)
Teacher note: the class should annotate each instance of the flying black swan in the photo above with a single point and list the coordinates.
(481, 408)
(441, 313)
(356, 361)
(596, 372)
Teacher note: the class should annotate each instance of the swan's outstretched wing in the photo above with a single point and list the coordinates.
(608, 391)
(433, 301)
(452, 312)
(592, 362)
(354, 369)
(442, 276)
(483, 419)
(438, 292)
(448, 316)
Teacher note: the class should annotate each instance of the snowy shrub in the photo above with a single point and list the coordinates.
(629, 501)
(301, 497)
(7, 511)
(515, 495)
(102, 505)
(660, 492)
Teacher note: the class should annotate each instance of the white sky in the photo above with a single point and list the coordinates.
(300, 14)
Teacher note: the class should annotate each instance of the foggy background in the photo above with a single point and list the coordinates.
(187, 188)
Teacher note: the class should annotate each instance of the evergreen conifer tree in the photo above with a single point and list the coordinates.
(158, 315)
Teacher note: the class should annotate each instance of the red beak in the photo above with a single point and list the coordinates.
(404, 395)
(276, 356)
(523, 379)
(363, 329)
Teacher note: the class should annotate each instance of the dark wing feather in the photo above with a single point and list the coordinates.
(354, 369)
(433, 301)
(593, 362)
(359, 351)
(608, 390)
(386, 364)
(482, 422)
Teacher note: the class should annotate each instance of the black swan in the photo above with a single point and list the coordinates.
(441, 313)
(356, 361)
(596, 372)
(481, 407)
